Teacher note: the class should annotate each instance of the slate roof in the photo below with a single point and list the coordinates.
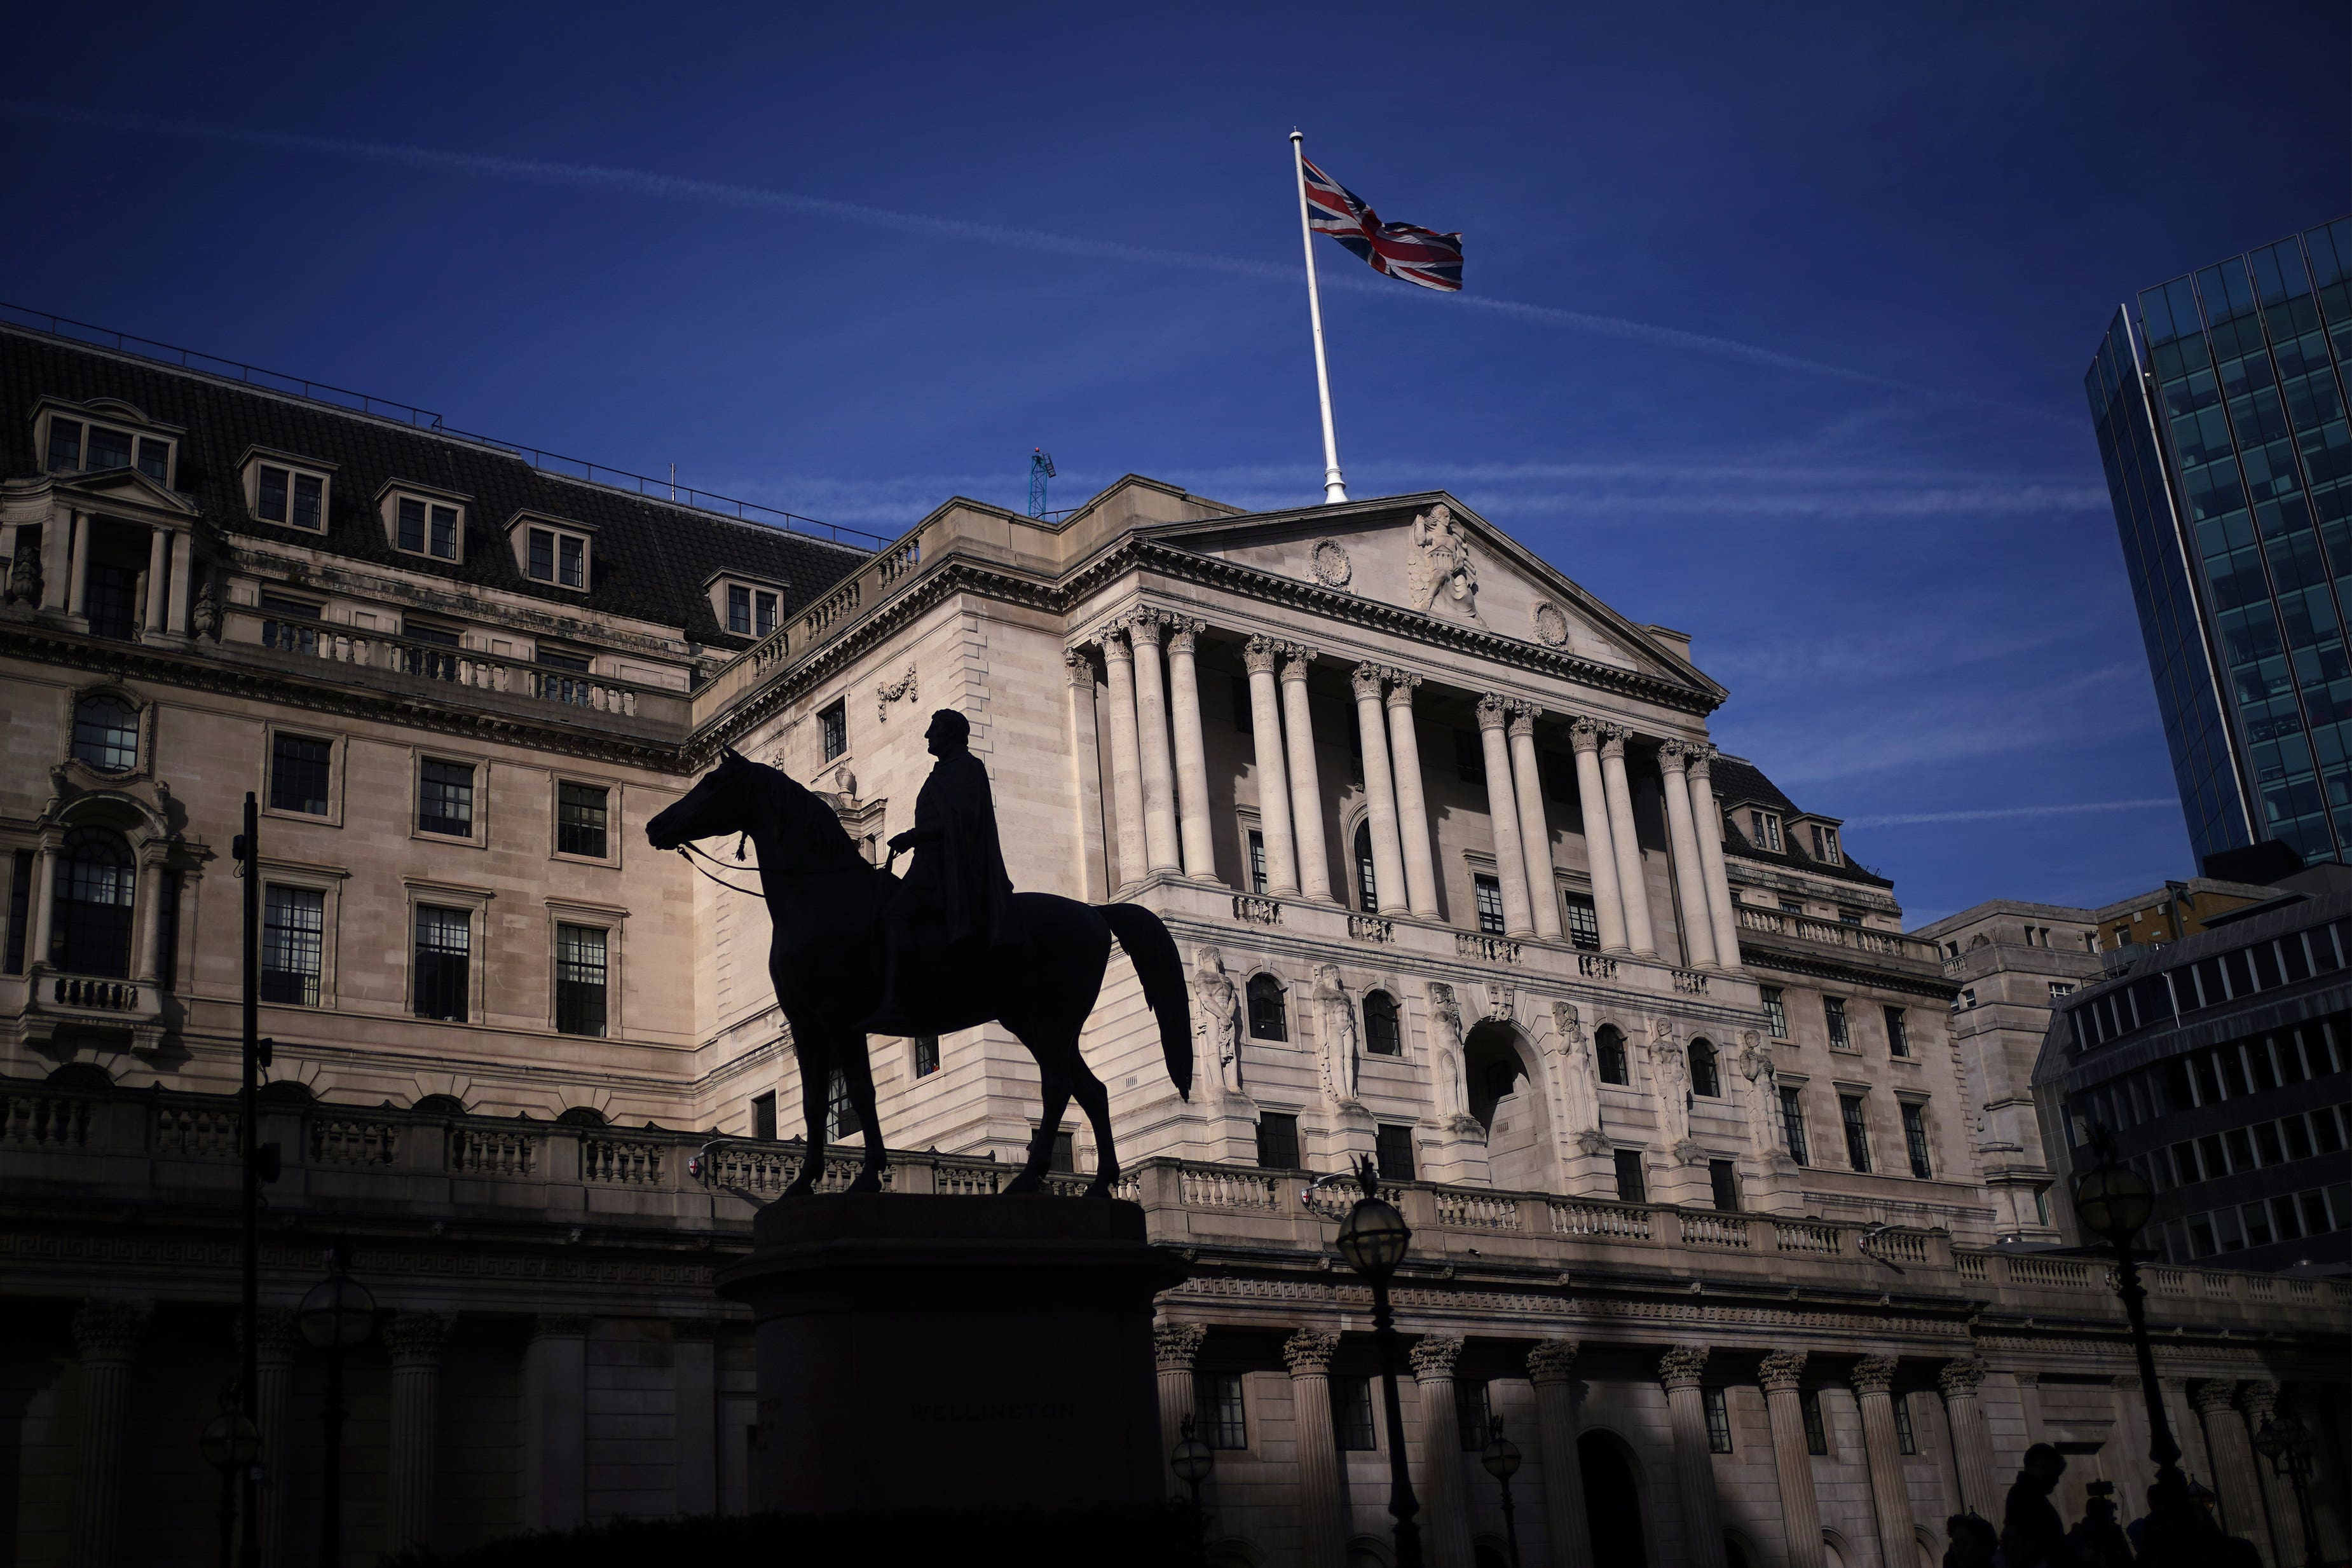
(1738, 781)
(651, 558)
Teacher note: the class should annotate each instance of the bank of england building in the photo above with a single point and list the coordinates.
(1689, 1149)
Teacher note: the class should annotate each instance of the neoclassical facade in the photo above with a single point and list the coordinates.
(1696, 1170)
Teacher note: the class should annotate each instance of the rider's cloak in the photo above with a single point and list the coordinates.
(963, 868)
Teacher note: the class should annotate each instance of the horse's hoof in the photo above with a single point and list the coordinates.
(1024, 1184)
(868, 1181)
(1097, 1189)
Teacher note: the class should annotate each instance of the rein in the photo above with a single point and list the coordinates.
(688, 852)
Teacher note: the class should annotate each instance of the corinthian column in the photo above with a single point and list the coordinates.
(1322, 1502)
(1444, 1523)
(2233, 1463)
(1306, 785)
(1690, 877)
(1094, 878)
(1260, 654)
(1971, 1440)
(1192, 756)
(1600, 851)
(107, 1334)
(1174, 1346)
(1126, 763)
(1679, 1369)
(1535, 833)
(1503, 813)
(1873, 1385)
(1630, 887)
(415, 1340)
(1801, 1510)
(1551, 1367)
(1151, 727)
(1412, 806)
(2260, 1404)
(1707, 818)
(1380, 788)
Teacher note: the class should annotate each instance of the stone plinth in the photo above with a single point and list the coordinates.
(998, 1348)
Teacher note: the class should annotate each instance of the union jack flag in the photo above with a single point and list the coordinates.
(1399, 250)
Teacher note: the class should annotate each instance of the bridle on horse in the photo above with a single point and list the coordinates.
(688, 852)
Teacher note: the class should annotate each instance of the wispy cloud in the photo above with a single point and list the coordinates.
(719, 194)
(1905, 818)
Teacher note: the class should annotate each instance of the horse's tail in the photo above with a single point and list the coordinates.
(1161, 969)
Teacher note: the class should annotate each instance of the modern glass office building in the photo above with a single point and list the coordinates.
(2220, 406)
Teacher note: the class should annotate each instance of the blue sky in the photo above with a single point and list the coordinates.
(1775, 325)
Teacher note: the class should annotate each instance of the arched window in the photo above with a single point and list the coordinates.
(1705, 1079)
(1383, 1035)
(91, 918)
(439, 1105)
(1609, 1045)
(1367, 884)
(582, 1117)
(106, 734)
(1267, 1020)
(285, 1092)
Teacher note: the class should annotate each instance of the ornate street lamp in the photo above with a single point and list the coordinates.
(230, 1444)
(1501, 1457)
(337, 1314)
(2287, 1444)
(1192, 1460)
(1373, 1238)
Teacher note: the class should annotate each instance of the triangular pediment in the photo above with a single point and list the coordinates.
(1430, 555)
(125, 487)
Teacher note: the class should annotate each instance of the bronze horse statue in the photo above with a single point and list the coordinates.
(824, 905)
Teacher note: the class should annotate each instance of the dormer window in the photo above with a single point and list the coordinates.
(552, 550)
(94, 437)
(1825, 845)
(420, 521)
(746, 606)
(287, 490)
(1765, 830)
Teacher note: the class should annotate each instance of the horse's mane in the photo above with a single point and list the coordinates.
(812, 826)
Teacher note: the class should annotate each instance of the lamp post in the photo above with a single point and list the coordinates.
(337, 1314)
(1192, 1460)
(1501, 1457)
(230, 1444)
(1373, 1238)
(2287, 1444)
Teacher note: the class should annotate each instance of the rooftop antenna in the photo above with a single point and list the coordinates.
(1041, 468)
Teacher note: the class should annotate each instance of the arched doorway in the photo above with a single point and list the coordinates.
(1612, 1501)
(1510, 1102)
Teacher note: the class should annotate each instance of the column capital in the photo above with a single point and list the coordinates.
(1874, 1375)
(2128, 1383)
(1143, 627)
(2260, 1399)
(2027, 1379)
(1116, 648)
(275, 1332)
(1173, 1346)
(1522, 717)
(414, 1338)
(1585, 733)
(1681, 1365)
(560, 1325)
(1260, 654)
(1494, 713)
(1366, 680)
(1959, 1379)
(1308, 1352)
(2215, 1396)
(1078, 665)
(1552, 1361)
(1674, 755)
(1697, 757)
(1434, 1355)
(1781, 1371)
(1613, 738)
(1297, 658)
(1184, 634)
(111, 1329)
(1400, 685)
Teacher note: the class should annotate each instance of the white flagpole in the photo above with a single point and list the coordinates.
(1335, 488)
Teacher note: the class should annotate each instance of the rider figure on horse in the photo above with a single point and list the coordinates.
(955, 902)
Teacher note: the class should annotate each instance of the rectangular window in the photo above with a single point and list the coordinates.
(1817, 1437)
(1632, 1186)
(581, 819)
(1766, 833)
(1915, 1141)
(1351, 1414)
(1393, 1151)
(20, 907)
(1857, 1133)
(1723, 1182)
(1833, 1014)
(571, 561)
(1898, 1033)
(155, 459)
(1469, 758)
(1489, 894)
(1583, 921)
(65, 445)
(1792, 906)
(763, 615)
(1775, 1016)
(111, 599)
(293, 944)
(580, 979)
(443, 949)
(1473, 1416)
(1906, 1441)
(309, 497)
(1257, 862)
(1063, 1155)
(1825, 847)
(1277, 1141)
(300, 769)
(1792, 1122)
(270, 495)
(431, 665)
(411, 514)
(833, 729)
(542, 555)
(442, 537)
(1217, 1397)
(763, 1116)
(1719, 1420)
(927, 1055)
(2060, 988)
(840, 1111)
(738, 609)
(445, 799)
(109, 448)
(1849, 916)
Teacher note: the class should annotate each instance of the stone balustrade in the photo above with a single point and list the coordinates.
(1837, 933)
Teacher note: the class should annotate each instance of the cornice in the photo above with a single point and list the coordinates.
(1775, 958)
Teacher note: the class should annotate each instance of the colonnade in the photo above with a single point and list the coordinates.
(65, 568)
(1159, 786)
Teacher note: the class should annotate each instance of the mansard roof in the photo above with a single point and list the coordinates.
(1738, 781)
(651, 556)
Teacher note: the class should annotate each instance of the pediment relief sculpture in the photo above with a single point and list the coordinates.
(1441, 567)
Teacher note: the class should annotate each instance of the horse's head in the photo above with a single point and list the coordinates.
(716, 804)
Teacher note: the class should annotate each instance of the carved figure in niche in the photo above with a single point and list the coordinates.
(1581, 1081)
(25, 573)
(1757, 1066)
(1442, 564)
(1336, 1034)
(1218, 1000)
(207, 614)
(1445, 1049)
(1670, 1079)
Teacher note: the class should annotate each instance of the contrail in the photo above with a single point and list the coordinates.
(712, 193)
(1905, 818)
